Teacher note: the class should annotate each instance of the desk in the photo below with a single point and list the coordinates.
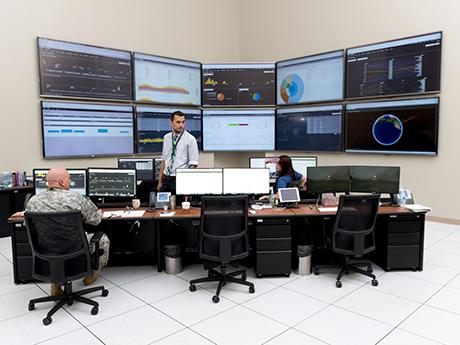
(11, 201)
(399, 235)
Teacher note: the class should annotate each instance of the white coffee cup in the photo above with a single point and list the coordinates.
(186, 205)
(136, 203)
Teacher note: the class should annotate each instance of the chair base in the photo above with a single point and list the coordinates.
(350, 265)
(223, 278)
(68, 298)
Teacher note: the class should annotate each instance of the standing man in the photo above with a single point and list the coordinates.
(180, 150)
(59, 198)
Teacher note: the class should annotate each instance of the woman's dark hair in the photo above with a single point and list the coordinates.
(286, 166)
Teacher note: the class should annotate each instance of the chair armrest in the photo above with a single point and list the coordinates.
(96, 237)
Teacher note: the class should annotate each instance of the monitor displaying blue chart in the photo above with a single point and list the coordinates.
(166, 80)
(310, 79)
(86, 130)
(153, 123)
(239, 130)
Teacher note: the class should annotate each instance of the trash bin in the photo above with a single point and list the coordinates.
(173, 259)
(304, 255)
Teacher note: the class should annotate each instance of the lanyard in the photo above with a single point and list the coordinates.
(174, 144)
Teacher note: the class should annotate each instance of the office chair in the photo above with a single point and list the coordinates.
(60, 254)
(224, 240)
(353, 234)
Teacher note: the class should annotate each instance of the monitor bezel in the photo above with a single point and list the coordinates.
(280, 190)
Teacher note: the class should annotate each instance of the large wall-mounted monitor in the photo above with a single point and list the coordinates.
(239, 130)
(315, 128)
(86, 130)
(199, 181)
(239, 84)
(406, 66)
(112, 182)
(167, 81)
(82, 71)
(246, 181)
(316, 78)
(153, 123)
(145, 167)
(77, 180)
(402, 126)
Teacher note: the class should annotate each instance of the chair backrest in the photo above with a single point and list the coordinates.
(59, 246)
(224, 224)
(353, 232)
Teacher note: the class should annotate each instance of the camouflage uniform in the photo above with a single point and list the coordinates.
(56, 200)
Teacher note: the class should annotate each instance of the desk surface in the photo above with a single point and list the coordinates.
(311, 210)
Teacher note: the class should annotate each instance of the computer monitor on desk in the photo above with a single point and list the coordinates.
(375, 179)
(111, 184)
(199, 181)
(299, 164)
(330, 179)
(145, 167)
(77, 180)
(246, 181)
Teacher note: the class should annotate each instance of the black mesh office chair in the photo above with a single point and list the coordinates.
(61, 254)
(224, 240)
(353, 234)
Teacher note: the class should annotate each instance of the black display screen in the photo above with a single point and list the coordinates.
(406, 126)
(239, 84)
(154, 123)
(77, 70)
(406, 66)
(310, 128)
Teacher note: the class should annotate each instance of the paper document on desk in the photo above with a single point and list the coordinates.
(135, 214)
(327, 209)
(167, 214)
(110, 214)
(418, 208)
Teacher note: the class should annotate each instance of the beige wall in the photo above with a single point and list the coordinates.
(202, 30)
(226, 31)
(274, 30)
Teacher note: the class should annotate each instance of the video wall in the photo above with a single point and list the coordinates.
(375, 98)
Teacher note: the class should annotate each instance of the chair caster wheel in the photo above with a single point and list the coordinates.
(105, 293)
(375, 282)
(94, 310)
(69, 303)
(251, 289)
(316, 271)
(369, 269)
(47, 321)
(244, 276)
(338, 284)
(215, 299)
(31, 306)
(192, 288)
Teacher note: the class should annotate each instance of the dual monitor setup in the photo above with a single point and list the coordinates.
(239, 100)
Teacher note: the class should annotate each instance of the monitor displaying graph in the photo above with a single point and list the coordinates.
(406, 66)
(239, 84)
(153, 123)
(309, 79)
(166, 80)
(239, 130)
(400, 126)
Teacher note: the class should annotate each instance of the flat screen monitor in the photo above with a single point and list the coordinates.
(315, 78)
(77, 70)
(316, 128)
(375, 179)
(246, 181)
(289, 195)
(328, 179)
(165, 80)
(77, 180)
(112, 182)
(239, 84)
(405, 66)
(300, 164)
(403, 127)
(199, 181)
(239, 130)
(86, 130)
(154, 123)
(145, 167)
